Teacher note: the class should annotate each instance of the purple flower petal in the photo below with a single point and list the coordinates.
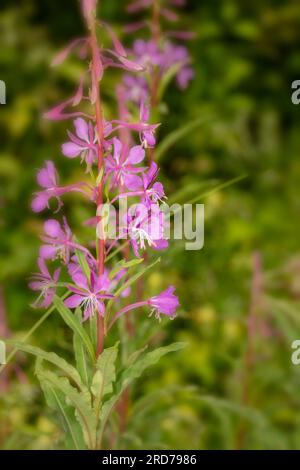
(82, 129)
(74, 301)
(52, 228)
(88, 312)
(136, 155)
(166, 302)
(43, 267)
(132, 182)
(48, 252)
(36, 285)
(117, 149)
(79, 279)
(71, 150)
(46, 177)
(48, 298)
(40, 202)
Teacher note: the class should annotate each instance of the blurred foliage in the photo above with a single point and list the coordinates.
(234, 386)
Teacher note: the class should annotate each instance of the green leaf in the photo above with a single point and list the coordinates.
(178, 134)
(82, 406)
(83, 264)
(166, 79)
(56, 400)
(135, 355)
(80, 354)
(216, 189)
(135, 277)
(93, 330)
(117, 250)
(132, 373)
(124, 265)
(54, 359)
(106, 365)
(97, 383)
(75, 325)
(147, 360)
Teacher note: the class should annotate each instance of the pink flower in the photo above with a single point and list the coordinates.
(58, 241)
(90, 295)
(153, 191)
(84, 143)
(150, 191)
(109, 284)
(165, 302)
(45, 283)
(136, 88)
(121, 165)
(147, 137)
(47, 178)
(144, 225)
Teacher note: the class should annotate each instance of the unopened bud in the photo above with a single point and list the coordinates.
(89, 7)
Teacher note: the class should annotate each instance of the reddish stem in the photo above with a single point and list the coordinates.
(257, 288)
(91, 23)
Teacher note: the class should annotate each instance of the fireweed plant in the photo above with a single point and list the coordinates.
(118, 165)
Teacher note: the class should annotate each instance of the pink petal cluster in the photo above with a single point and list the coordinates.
(124, 170)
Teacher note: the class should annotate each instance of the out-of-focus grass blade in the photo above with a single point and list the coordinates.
(178, 134)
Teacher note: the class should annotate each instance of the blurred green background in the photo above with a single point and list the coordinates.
(234, 386)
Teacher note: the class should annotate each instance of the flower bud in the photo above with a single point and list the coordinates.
(89, 8)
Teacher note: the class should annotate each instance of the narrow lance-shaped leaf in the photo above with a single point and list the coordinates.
(80, 354)
(84, 413)
(106, 365)
(56, 401)
(132, 373)
(75, 325)
(54, 359)
(124, 265)
(83, 263)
